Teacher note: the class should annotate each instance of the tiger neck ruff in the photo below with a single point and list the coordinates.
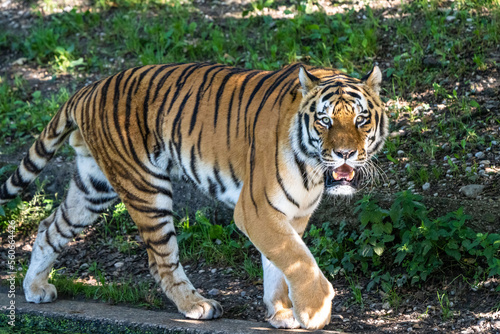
(269, 144)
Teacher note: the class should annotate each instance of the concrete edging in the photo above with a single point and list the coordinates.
(114, 316)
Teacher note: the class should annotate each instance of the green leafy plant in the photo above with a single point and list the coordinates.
(404, 237)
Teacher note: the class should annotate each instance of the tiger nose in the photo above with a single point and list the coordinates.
(345, 154)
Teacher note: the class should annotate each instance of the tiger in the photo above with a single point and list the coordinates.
(269, 144)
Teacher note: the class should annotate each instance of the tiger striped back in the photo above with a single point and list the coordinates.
(267, 143)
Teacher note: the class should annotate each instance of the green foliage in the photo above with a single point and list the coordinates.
(405, 238)
(215, 243)
(27, 214)
(23, 114)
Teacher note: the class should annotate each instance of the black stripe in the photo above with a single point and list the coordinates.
(41, 151)
(219, 180)
(229, 111)
(212, 187)
(163, 241)
(355, 95)
(49, 242)
(271, 204)
(327, 96)
(171, 266)
(236, 181)
(161, 82)
(156, 213)
(4, 193)
(68, 222)
(18, 181)
(303, 172)
(30, 165)
(154, 228)
(79, 183)
(201, 92)
(278, 176)
(100, 186)
(218, 97)
(61, 232)
(241, 95)
(193, 166)
(100, 201)
(257, 87)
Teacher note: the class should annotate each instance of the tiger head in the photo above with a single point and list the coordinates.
(340, 125)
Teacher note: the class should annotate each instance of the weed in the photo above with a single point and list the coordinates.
(444, 303)
(356, 291)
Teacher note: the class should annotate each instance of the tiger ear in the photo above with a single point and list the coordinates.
(373, 79)
(307, 80)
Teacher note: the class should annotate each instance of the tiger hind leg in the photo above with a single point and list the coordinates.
(88, 196)
(153, 216)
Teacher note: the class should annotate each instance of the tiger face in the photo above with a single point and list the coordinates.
(341, 125)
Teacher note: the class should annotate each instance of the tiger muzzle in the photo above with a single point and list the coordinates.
(344, 175)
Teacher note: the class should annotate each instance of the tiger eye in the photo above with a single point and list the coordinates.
(326, 120)
(360, 119)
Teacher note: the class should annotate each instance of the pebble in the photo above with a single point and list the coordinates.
(468, 169)
(213, 271)
(426, 186)
(84, 266)
(472, 190)
(450, 18)
(213, 292)
(119, 264)
(386, 306)
(243, 293)
(480, 155)
(401, 152)
(494, 143)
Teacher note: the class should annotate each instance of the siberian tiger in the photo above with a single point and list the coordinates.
(269, 144)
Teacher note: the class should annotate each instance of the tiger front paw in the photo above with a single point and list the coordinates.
(203, 309)
(313, 306)
(284, 318)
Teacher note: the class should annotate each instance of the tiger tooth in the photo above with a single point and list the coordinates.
(351, 175)
(335, 175)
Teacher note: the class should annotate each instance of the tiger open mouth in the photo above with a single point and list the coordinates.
(344, 175)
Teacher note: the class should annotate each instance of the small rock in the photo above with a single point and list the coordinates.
(480, 155)
(386, 306)
(472, 190)
(119, 264)
(213, 292)
(84, 266)
(243, 293)
(426, 186)
(430, 61)
(450, 18)
(494, 143)
(486, 163)
(213, 271)
(401, 152)
(19, 61)
(468, 169)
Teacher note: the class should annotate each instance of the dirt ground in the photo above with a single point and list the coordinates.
(475, 306)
